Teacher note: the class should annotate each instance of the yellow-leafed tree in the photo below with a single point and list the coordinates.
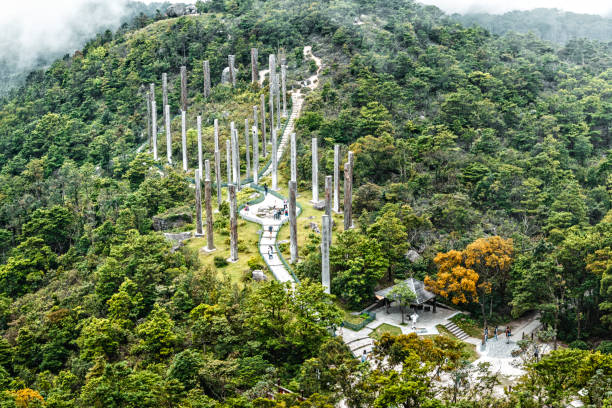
(470, 275)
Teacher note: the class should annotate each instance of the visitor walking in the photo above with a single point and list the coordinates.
(495, 333)
(364, 356)
(270, 229)
(507, 334)
(265, 189)
(270, 252)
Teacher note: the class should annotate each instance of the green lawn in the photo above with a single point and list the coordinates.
(385, 328)
(247, 235)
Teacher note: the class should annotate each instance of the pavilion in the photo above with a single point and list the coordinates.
(418, 287)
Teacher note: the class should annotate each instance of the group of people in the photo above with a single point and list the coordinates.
(280, 212)
(495, 332)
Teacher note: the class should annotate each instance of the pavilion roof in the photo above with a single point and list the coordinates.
(417, 286)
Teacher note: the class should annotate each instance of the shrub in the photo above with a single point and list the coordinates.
(220, 262)
(605, 347)
(579, 344)
(255, 263)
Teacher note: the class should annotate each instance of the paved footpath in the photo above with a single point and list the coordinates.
(262, 213)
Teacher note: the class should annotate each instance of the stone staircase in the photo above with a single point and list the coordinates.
(456, 331)
(358, 345)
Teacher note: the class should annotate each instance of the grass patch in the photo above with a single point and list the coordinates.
(470, 326)
(468, 349)
(385, 328)
(247, 234)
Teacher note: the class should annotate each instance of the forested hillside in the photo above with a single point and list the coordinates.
(481, 153)
(548, 24)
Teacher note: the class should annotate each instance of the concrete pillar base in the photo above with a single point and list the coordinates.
(198, 235)
(230, 260)
(205, 249)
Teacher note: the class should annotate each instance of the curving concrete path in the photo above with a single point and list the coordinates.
(262, 213)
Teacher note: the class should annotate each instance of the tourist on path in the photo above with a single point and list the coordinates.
(265, 189)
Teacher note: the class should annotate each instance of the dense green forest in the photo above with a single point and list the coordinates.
(548, 24)
(482, 153)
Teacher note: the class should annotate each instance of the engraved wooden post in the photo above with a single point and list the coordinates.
(228, 159)
(254, 67)
(293, 221)
(199, 122)
(198, 203)
(271, 103)
(263, 123)
(274, 161)
(154, 127)
(284, 88)
(278, 104)
(206, 69)
(328, 195)
(217, 164)
(336, 178)
(325, 234)
(232, 72)
(236, 152)
(168, 134)
(348, 192)
(293, 158)
(255, 156)
(315, 171)
(209, 217)
(233, 224)
(184, 138)
(164, 89)
(328, 205)
(148, 99)
(184, 88)
(248, 145)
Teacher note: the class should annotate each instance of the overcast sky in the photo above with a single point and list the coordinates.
(36, 27)
(601, 7)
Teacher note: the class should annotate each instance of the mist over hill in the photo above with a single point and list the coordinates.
(549, 24)
(49, 30)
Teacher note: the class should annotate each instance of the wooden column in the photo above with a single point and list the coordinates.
(254, 67)
(328, 195)
(255, 156)
(164, 89)
(184, 138)
(236, 154)
(168, 134)
(348, 192)
(148, 101)
(206, 70)
(315, 170)
(154, 127)
(217, 164)
(284, 88)
(274, 161)
(278, 104)
(293, 158)
(198, 204)
(325, 234)
(184, 88)
(199, 124)
(263, 124)
(293, 221)
(328, 204)
(209, 216)
(336, 178)
(228, 158)
(233, 224)
(247, 150)
(232, 71)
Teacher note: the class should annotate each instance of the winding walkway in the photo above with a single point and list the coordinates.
(261, 213)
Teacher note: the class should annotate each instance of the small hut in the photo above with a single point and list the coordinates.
(418, 287)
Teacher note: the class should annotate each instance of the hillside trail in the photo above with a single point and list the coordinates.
(263, 212)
